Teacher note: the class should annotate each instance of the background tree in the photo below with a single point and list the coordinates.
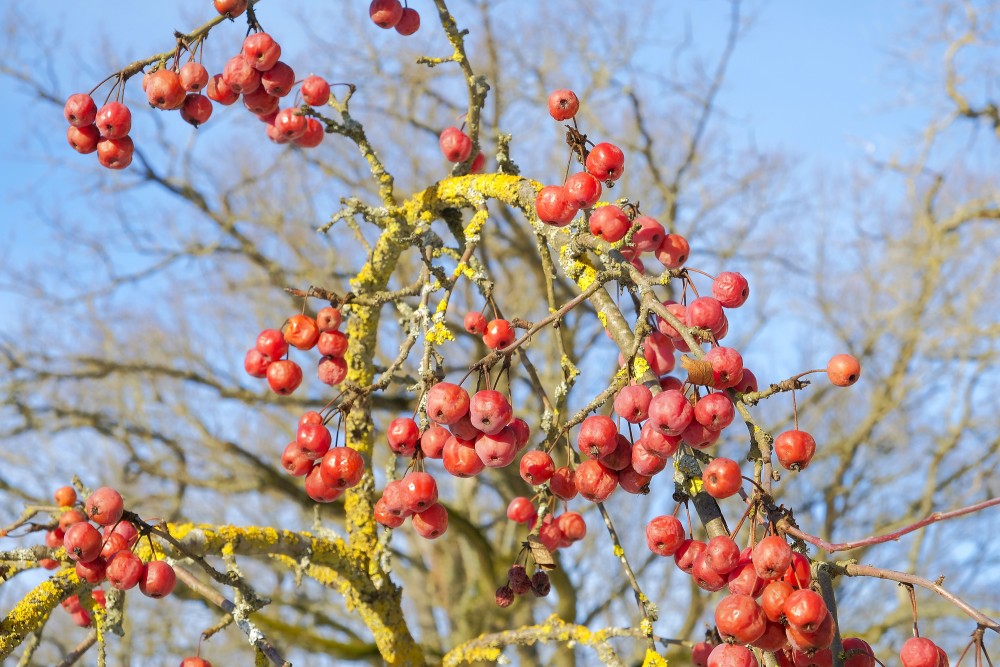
(137, 383)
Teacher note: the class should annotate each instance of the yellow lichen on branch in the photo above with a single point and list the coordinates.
(32, 612)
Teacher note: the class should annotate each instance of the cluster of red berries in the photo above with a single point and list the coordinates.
(104, 131)
(328, 470)
(103, 555)
(469, 435)
(388, 14)
(256, 74)
(497, 333)
(268, 357)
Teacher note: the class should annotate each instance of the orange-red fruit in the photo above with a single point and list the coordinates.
(195, 662)
(315, 90)
(919, 652)
(843, 370)
(284, 376)
(231, 7)
(65, 496)
(722, 478)
(194, 76)
(115, 153)
(859, 653)
(301, 331)
(740, 617)
(794, 449)
(164, 89)
(772, 599)
(805, 609)
(563, 104)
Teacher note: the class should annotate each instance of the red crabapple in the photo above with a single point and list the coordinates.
(744, 580)
(385, 13)
(332, 370)
(432, 522)
(632, 481)
(278, 80)
(80, 110)
(284, 376)
(722, 554)
(317, 488)
(722, 478)
(773, 639)
(794, 449)
(82, 542)
(497, 449)
(740, 617)
(455, 144)
(301, 331)
(563, 104)
(193, 76)
(678, 310)
(113, 543)
(731, 289)
(621, 456)
(218, 90)
(115, 153)
(315, 91)
(125, 529)
(314, 438)
(609, 223)
(409, 22)
(572, 525)
(489, 411)
(114, 120)
(447, 403)
(403, 434)
(196, 109)
(700, 653)
(475, 323)
(240, 76)
(714, 411)
(70, 517)
(328, 319)
(464, 429)
(705, 312)
(665, 535)
(731, 655)
(383, 516)
(93, 571)
(817, 640)
(499, 334)
(555, 206)
(771, 557)
(747, 383)
(520, 510)
(859, 653)
(124, 570)
(595, 481)
(598, 437)
(563, 483)
(271, 343)
(84, 139)
(658, 352)
(104, 506)
(843, 370)
(798, 573)
(290, 124)
(645, 462)
(606, 162)
(919, 652)
(687, 553)
(536, 467)
(478, 163)
(727, 366)
(332, 343)
(195, 661)
(420, 491)
(65, 496)
(583, 189)
(342, 467)
(432, 442)
(632, 403)
(522, 432)
(261, 52)
(657, 443)
(670, 412)
(158, 579)
(296, 460)
(460, 458)
(705, 576)
(772, 599)
(650, 234)
(231, 8)
(673, 251)
(164, 89)
(805, 609)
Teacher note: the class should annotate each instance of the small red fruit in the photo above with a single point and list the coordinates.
(196, 109)
(115, 153)
(386, 13)
(83, 542)
(537, 467)
(219, 91)
(262, 52)
(562, 484)
(278, 80)
(447, 403)
(194, 77)
(563, 104)
(731, 289)
(284, 376)
(315, 90)
(606, 162)
(805, 609)
(158, 579)
(114, 120)
(104, 506)
(80, 110)
(432, 522)
(65, 496)
(722, 478)
(843, 370)
(230, 8)
(665, 535)
(673, 251)
(455, 144)
(342, 467)
(555, 206)
(499, 334)
(301, 331)
(609, 223)
(409, 22)
(520, 510)
(475, 323)
(595, 481)
(740, 617)
(164, 89)
(124, 570)
(794, 449)
(583, 189)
